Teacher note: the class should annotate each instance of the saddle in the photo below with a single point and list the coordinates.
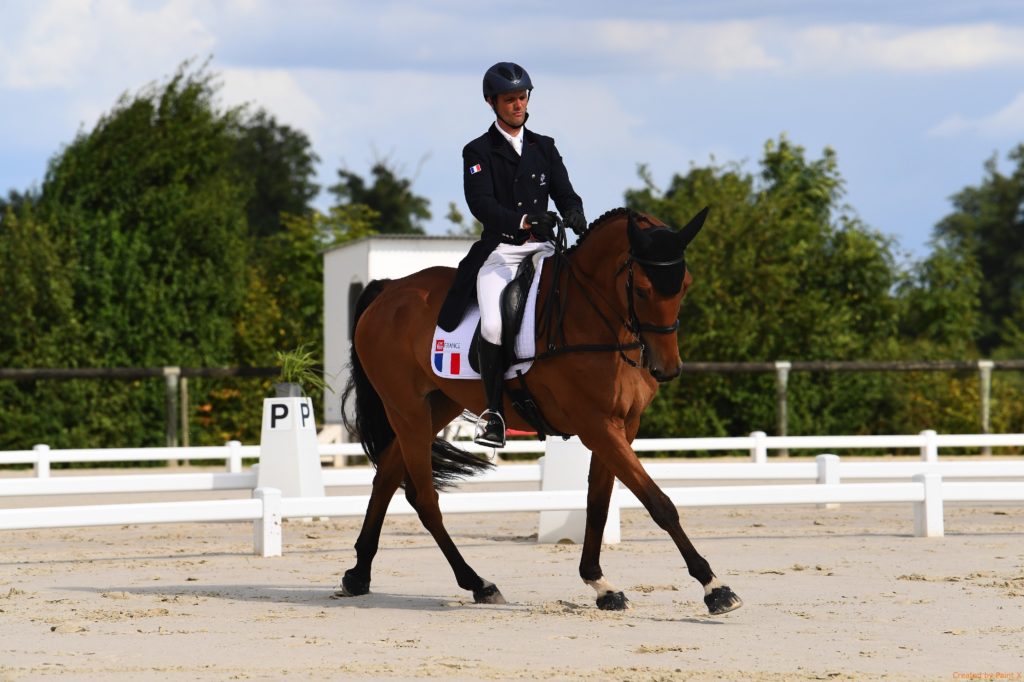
(518, 298)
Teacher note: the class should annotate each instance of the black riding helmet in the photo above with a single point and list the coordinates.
(505, 77)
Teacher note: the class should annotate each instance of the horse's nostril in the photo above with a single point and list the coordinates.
(662, 376)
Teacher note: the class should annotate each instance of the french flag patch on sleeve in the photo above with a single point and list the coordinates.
(474, 169)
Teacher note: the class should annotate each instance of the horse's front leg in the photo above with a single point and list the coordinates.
(614, 451)
(601, 483)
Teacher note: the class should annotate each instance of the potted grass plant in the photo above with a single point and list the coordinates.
(299, 371)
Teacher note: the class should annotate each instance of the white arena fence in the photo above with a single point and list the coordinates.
(925, 484)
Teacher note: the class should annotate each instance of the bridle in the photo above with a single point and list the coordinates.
(635, 325)
(553, 320)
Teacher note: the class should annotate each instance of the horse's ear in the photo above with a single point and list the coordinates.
(693, 227)
(638, 239)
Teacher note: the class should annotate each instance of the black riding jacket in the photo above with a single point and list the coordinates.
(501, 186)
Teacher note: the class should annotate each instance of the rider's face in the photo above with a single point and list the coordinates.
(511, 108)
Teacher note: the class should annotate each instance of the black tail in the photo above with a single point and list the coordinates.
(371, 425)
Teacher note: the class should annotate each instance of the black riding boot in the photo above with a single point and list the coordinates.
(490, 430)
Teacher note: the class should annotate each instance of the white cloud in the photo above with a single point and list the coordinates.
(276, 90)
(776, 46)
(74, 44)
(687, 46)
(1006, 122)
(901, 49)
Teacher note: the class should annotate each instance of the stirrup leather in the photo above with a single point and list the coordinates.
(488, 433)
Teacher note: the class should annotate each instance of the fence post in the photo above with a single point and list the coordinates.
(928, 521)
(828, 474)
(171, 376)
(985, 375)
(759, 453)
(234, 457)
(566, 466)
(929, 448)
(782, 368)
(183, 408)
(267, 528)
(42, 465)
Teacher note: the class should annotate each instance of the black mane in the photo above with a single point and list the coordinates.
(613, 213)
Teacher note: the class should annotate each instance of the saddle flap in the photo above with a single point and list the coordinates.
(455, 355)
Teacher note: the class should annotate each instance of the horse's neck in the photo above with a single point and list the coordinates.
(595, 267)
(601, 253)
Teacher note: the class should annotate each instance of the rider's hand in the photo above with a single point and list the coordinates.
(542, 225)
(576, 221)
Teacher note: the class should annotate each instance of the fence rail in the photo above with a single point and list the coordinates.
(823, 481)
(927, 493)
(758, 445)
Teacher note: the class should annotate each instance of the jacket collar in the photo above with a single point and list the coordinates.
(502, 145)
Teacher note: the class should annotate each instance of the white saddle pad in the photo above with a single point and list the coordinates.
(449, 351)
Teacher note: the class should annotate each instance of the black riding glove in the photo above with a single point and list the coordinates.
(576, 221)
(542, 225)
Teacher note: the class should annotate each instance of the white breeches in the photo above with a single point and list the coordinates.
(498, 270)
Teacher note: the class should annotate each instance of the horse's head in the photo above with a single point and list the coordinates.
(655, 289)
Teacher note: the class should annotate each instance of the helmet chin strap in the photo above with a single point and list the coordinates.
(498, 116)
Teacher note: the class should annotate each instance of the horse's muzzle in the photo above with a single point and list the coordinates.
(662, 376)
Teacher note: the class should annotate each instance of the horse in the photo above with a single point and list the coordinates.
(610, 341)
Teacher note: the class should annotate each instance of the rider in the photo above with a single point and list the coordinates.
(509, 173)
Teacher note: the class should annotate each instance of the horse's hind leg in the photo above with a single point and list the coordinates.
(390, 472)
(598, 496)
(412, 426)
(614, 451)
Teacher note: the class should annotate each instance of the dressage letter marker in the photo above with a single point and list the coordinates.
(278, 415)
(289, 458)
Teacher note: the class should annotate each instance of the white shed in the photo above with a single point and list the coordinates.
(348, 268)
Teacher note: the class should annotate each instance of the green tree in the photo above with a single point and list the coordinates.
(781, 271)
(281, 164)
(36, 295)
(459, 226)
(941, 301)
(150, 206)
(155, 209)
(391, 196)
(987, 226)
(289, 268)
(16, 201)
(40, 328)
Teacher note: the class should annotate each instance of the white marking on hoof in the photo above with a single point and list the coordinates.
(715, 582)
(601, 586)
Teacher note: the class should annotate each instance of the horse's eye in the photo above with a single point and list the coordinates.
(643, 293)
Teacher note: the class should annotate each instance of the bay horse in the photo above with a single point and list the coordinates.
(614, 338)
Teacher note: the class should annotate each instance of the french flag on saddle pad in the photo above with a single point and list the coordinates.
(446, 362)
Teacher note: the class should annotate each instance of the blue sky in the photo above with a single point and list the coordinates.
(913, 96)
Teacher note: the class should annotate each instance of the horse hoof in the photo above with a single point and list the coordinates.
(722, 600)
(613, 601)
(488, 594)
(351, 586)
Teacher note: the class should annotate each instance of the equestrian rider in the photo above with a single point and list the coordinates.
(509, 173)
